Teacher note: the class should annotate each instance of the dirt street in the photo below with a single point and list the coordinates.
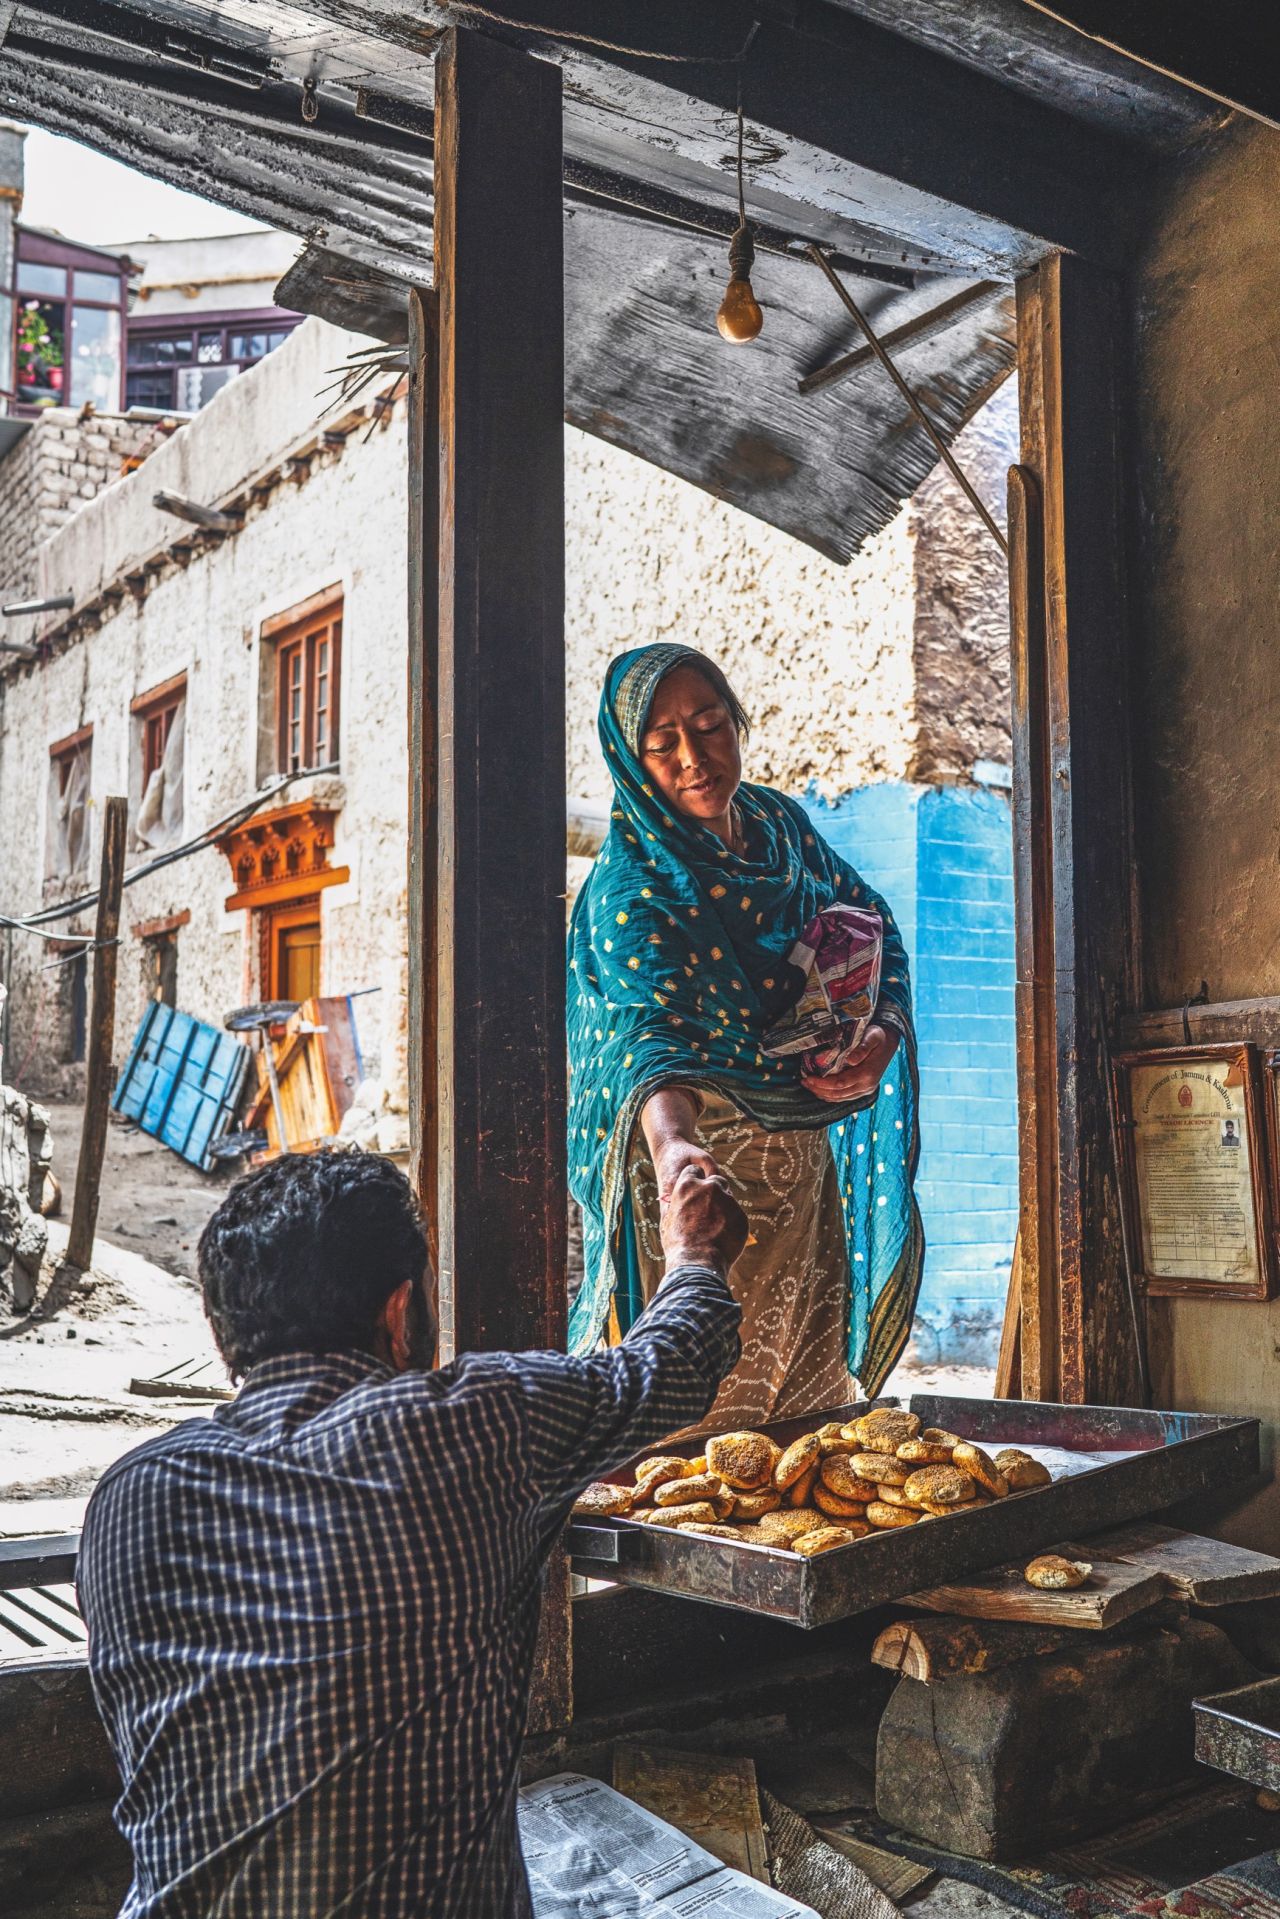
(152, 1202)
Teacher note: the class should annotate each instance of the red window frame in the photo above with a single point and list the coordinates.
(308, 678)
(156, 710)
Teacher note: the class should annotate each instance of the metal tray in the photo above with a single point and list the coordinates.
(1239, 1732)
(1166, 1457)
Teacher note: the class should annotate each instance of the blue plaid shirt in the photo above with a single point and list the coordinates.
(312, 1616)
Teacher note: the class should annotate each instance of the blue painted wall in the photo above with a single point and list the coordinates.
(943, 857)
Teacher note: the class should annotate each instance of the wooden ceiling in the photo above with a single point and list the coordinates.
(931, 144)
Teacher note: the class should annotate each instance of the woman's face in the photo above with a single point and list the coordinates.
(689, 748)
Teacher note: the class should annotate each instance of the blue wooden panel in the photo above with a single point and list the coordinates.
(182, 1082)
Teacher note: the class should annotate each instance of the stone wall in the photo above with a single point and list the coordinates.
(62, 460)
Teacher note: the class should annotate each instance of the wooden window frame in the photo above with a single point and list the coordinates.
(155, 713)
(299, 639)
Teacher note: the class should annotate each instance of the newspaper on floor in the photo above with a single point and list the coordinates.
(593, 1854)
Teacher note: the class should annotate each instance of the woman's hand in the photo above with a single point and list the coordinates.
(674, 1157)
(670, 1122)
(861, 1072)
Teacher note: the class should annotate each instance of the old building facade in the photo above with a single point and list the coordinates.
(200, 672)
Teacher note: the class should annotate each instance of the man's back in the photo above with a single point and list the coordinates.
(312, 1617)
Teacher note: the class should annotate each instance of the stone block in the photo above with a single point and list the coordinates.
(997, 1765)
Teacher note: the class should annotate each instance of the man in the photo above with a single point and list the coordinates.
(312, 1617)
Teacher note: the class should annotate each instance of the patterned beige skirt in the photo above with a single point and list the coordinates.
(793, 1282)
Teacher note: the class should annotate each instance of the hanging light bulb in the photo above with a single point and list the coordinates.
(740, 318)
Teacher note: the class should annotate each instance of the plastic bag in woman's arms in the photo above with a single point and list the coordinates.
(838, 955)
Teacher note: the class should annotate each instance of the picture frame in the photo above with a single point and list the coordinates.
(1197, 1130)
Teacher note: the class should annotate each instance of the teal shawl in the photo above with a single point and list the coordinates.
(677, 966)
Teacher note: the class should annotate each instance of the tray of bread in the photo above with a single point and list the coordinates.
(813, 1519)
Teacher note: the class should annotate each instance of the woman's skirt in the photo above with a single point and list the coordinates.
(792, 1282)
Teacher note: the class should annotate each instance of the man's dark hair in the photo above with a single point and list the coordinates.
(304, 1252)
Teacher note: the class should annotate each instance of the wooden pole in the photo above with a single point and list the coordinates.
(424, 815)
(1073, 357)
(501, 1087)
(102, 1029)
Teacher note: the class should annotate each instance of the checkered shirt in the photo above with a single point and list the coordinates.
(312, 1616)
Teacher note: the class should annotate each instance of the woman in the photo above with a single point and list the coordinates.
(678, 965)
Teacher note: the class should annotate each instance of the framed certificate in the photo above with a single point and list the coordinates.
(1195, 1134)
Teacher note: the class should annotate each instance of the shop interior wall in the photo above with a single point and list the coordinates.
(1207, 742)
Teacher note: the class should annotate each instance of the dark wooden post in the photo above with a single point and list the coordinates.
(1077, 906)
(501, 1084)
(102, 1030)
(424, 817)
(499, 279)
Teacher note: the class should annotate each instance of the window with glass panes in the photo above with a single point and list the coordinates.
(68, 324)
(308, 669)
(182, 367)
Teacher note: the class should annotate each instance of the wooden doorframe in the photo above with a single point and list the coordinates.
(487, 733)
(1075, 856)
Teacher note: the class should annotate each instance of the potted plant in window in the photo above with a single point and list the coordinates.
(39, 350)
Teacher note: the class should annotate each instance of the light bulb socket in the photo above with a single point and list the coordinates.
(742, 253)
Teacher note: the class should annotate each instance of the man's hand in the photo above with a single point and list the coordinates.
(861, 1072)
(703, 1224)
(673, 1157)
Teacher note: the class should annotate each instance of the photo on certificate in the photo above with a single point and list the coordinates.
(1195, 1141)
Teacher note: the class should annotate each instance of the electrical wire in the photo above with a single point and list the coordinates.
(50, 915)
(609, 46)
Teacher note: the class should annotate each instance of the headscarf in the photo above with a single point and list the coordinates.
(677, 966)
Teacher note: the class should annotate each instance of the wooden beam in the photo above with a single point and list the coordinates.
(102, 1029)
(501, 1070)
(1226, 53)
(1224, 1022)
(424, 813)
(501, 699)
(1037, 1310)
(1076, 906)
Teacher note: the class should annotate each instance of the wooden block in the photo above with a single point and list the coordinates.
(940, 1648)
(711, 1798)
(1208, 1572)
(1113, 1591)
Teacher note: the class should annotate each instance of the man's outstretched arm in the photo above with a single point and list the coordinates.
(586, 1415)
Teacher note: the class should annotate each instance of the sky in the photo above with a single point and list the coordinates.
(88, 197)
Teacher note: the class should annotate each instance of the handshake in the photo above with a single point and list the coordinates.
(702, 1223)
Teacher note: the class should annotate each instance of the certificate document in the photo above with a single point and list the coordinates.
(1192, 1154)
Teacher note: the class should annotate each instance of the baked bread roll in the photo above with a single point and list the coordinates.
(753, 1505)
(780, 1528)
(924, 1452)
(603, 1501)
(887, 1517)
(981, 1468)
(895, 1496)
(885, 1429)
(837, 1474)
(939, 1436)
(833, 1438)
(655, 1472)
(802, 1492)
(1052, 1573)
(744, 1461)
(939, 1486)
(709, 1529)
(1022, 1471)
(825, 1539)
(798, 1459)
(680, 1515)
(698, 1465)
(836, 1508)
(936, 1510)
(882, 1467)
(679, 1492)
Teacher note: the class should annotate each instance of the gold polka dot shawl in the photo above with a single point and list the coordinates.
(677, 967)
